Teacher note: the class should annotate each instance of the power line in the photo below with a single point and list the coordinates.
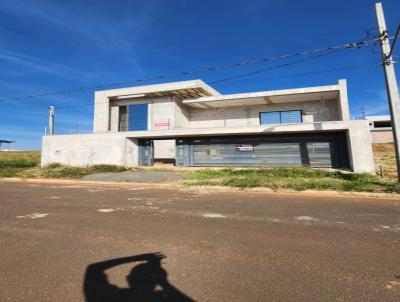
(351, 45)
(251, 80)
(394, 41)
(259, 79)
(273, 67)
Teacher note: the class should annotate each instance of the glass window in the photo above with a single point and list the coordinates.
(291, 117)
(270, 117)
(137, 117)
(281, 117)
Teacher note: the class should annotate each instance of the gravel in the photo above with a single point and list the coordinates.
(132, 176)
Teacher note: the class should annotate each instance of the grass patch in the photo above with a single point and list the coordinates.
(58, 171)
(25, 164)
(14, 162)
(292, 178)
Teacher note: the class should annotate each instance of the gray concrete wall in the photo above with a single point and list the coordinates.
(169, 113)
(162, 113)
(89, 149)
(344, 112)
(164, 149)
(326, 110)
(382, 136)
(360, 147)
(101, 118)
(121, 148)
(182, 116)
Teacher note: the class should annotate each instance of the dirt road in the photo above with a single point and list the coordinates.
(79, 242)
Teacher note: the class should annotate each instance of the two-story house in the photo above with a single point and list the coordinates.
(191, 124)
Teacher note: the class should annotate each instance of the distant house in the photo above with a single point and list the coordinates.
(381, 128)
(192, 124)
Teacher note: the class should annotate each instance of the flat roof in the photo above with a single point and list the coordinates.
(378, 118)
(266, 97)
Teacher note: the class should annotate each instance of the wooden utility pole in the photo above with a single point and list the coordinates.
(391, 82)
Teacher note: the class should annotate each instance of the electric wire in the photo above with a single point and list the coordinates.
(351, 45)
(255, 80)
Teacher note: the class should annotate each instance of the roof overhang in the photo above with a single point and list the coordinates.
(184, 90)
(266, 97)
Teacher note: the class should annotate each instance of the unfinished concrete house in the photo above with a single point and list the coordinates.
(191, 124)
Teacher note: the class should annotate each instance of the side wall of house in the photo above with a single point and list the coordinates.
(89, 149)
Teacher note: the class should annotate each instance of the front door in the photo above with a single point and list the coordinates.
(146, 152)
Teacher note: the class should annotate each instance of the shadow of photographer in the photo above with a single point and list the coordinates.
(147, 281)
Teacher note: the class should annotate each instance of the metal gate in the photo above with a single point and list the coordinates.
(315, 150)
(146, 152)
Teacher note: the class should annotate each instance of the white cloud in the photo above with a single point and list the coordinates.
(39, 64)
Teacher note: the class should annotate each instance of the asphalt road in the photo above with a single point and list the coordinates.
(78, 242)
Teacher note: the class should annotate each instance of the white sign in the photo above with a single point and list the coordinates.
(244, 148)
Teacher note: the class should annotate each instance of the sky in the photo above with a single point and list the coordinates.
(50, 46)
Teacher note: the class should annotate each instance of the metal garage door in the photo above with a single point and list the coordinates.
(324, 150)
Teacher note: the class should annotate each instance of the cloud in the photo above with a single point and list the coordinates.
(39, 64)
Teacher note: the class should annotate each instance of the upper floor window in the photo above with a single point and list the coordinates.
(382, 124)
(281, 117)
(133, 117)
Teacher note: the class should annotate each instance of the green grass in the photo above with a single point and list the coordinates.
(58, 171)
(291, 178)
(14, 162)
(25, 164)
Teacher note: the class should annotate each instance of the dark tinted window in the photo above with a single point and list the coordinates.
(382, 124)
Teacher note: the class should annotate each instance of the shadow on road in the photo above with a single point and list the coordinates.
(147, 281)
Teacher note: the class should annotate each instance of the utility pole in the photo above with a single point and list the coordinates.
(391, 82)
(51, 120)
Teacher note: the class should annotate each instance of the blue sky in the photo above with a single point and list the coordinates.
(48, 45)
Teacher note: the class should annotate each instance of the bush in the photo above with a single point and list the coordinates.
(18, 163)
(53, 166)
(107, 168)
(9, 171)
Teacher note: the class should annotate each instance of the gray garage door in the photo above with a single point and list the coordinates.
(324, 150)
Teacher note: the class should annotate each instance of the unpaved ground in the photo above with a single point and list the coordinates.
(221, 246)
(136, 176)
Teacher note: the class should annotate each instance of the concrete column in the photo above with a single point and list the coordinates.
(360, 148)
(114, 118)
(101, 120)
(343, 101)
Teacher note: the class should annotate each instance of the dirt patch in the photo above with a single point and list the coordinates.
(385, 160)
(134, 176)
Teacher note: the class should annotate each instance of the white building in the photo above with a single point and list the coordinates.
(192, 124)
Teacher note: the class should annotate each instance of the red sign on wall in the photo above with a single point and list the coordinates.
(163, 124)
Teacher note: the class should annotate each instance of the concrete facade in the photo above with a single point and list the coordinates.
(90, 149)
(381, 130)
(192, 108)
